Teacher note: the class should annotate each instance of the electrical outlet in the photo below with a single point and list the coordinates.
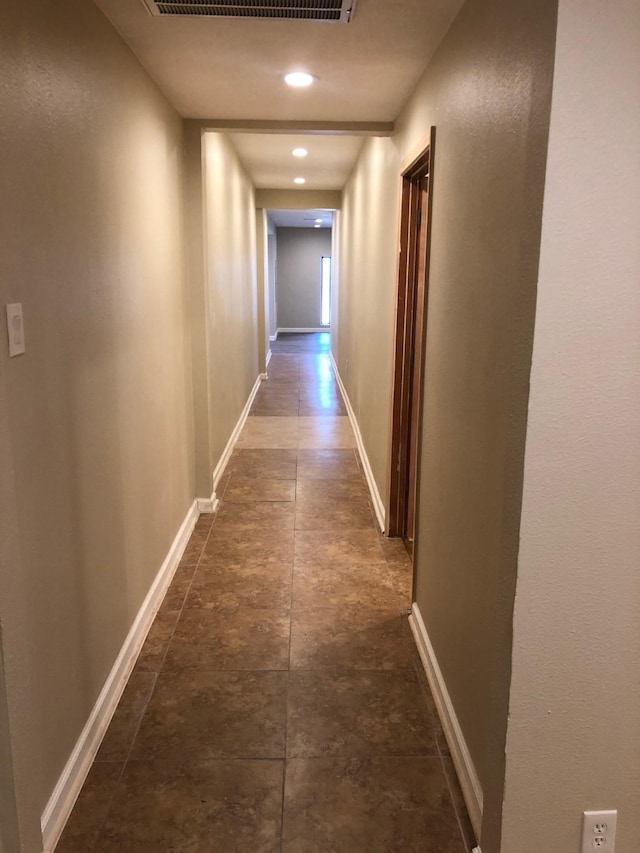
(599, 831)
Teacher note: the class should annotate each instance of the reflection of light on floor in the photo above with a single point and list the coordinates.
(324, 368)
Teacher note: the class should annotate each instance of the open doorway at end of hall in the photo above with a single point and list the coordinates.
(299, 263)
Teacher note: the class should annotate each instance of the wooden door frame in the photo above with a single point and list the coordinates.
(409, 347)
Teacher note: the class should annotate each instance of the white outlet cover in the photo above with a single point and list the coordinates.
(15, 329)
(599, 831)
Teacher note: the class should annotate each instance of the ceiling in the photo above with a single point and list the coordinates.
(301, 218)
(232, 68)
(268, 159)
(228, 73)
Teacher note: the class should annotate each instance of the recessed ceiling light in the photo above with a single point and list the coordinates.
(317, 226)
(299, 152)
(299, 181)
(319, 221)
(298, 79)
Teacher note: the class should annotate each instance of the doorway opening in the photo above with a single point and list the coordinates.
(411, 323)
(325, 292)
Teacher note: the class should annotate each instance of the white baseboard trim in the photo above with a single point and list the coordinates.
(268, 359)
(291, 331)
(233, 438)
(65, 793)
(467, 776)
(208, 504)
(273, 338)
(476, 850)
(378, 503)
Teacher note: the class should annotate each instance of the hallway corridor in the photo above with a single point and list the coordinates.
(278, 702)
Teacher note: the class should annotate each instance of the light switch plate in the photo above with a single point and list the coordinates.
(15, 328)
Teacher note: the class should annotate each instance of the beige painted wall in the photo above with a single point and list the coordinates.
(231, 289)
(487, 90)
(299, 268)
(363, 340)
(98, 428)
(574, 713)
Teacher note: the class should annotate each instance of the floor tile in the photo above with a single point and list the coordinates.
(350, 714)
(328, 465)
(263, 464)
(363, 584)
(369, 805)
(252, 516)
(197, 807)
(350, 638)
(247, 640)
(155, 646)
(464, 822)
(317, 548)
(315, 489)
(90, 810)
(237, 544)
(226, 591)
(269, 432)
(333, 514)
(260, 490)
(126, 720)
(214, 715)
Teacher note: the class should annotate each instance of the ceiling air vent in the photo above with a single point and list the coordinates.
(338, 11)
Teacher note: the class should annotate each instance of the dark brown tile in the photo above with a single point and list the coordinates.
(333, 515)
(263, 464)
(466, 829)
(263, 520)
(214, 715)
(315, 489)
(307, 410)
(260, 490)
(155, 646)
(394, 551)
(178, 589)
(198, 807)
(369, 805)
(227, 591)
(246, 640)
(350, 638)
(357, 713)
(328, 465)
(91, 808)
(274, 409)
(324, 548)
(368, 584)
(236, 545)
(126, 720)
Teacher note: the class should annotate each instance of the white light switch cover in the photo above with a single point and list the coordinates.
(15, 328)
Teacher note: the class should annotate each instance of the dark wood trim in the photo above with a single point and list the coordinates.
(411, 324)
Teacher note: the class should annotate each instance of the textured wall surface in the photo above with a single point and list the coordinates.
(231, 300)
(298, 273)
(574, 723)
(98, 408)
(487, 90)
(363, 341)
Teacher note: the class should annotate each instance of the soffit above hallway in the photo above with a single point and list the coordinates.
(232, 68)
(270, 164)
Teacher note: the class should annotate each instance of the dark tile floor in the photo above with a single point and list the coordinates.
(278, 703)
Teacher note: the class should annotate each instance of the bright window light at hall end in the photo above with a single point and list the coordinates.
(299, 181)
(298, 79)
(299, 152)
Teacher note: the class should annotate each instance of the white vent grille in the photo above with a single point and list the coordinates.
(338, 11)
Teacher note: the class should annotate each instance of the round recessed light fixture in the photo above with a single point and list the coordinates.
(318, 221)
(298, 79)
(299, 181)
(299, 152)
(317, 226)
